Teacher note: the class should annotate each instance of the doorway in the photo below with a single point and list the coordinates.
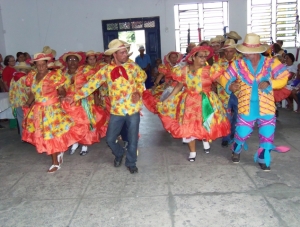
(137, 31)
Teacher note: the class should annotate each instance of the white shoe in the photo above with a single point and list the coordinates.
(52, 167)
(60, 158)
(73, 148)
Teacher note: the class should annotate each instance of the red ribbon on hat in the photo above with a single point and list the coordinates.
(251, 45)
(117, 72)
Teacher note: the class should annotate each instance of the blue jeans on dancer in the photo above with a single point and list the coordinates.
(232, 111)
(116, 123)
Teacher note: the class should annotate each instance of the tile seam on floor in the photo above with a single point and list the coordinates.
(275, 213)
(171, 201)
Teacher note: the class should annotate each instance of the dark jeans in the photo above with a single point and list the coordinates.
(124, 133)
(115, 126)
(232, 112)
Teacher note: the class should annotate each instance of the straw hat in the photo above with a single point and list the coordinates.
(65, 55)
(40, 57)
(251, 45)
(47, 50)
(129, 54)
(167, 57)
(55, 65)
(116, 45)
(208, 50)
(90, 53)
(215, 41)
(221, 38)
(233, 35)
(22, 65)
(229, 43)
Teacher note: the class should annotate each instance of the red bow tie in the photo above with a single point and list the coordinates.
(117, 72)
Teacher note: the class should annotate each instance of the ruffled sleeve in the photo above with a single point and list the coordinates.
(58, 79)
(216, 71)
(179, 74)
(162, 69)
(29, 78)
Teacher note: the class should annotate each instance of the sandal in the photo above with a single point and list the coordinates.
(50, 170)
(60, 158)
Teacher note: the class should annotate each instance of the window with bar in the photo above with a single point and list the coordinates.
(274, 20)
(210, 17)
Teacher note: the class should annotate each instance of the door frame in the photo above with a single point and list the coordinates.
(110, 29)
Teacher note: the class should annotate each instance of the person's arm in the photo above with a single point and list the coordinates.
(30, 100)
(279, 75)
(139, 79)
(94, 83)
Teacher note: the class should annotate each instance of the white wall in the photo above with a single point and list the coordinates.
(76, 24)
(2, 40)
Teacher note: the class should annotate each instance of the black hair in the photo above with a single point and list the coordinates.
(6, 59)
(19, 54)
(291, 56)
(280, 41)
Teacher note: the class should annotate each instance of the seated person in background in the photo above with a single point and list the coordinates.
(291, 67)
(278, 52)
(294, 87)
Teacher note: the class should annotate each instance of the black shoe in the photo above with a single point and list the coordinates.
(277, 113)
(207, 151)
(235, 157)
(224, 144)
(133, 169)
(264, 167)
(118, 161)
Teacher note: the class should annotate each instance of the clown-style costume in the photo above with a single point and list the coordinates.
(197, 113)
(256, 105)
(46, 125)
(85, 110)
(152, 97)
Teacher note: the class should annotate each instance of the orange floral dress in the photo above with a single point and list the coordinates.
(151, 98)
(197, 112)
(85, 110)
(46, 125)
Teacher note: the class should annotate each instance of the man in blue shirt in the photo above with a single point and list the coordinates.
(144, 61)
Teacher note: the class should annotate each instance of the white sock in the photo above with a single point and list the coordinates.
(74, 146)
(192, 155)
(84, 148)
(205, 144)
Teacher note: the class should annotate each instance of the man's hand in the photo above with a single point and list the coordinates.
(135, 97)
(263, 85)
(234, 87)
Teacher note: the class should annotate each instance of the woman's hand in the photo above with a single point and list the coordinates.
(135, 97)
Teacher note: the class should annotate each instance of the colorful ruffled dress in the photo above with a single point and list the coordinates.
(85, 110)
(197, 113)
(151, 98)
(46, 125)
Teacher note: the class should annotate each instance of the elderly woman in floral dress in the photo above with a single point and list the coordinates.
(46, 124)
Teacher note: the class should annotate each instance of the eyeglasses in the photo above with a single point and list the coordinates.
(72, 59)
(203, 57)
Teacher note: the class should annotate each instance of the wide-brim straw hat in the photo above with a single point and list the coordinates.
(116, 45)
(229, 43)
(40, 57)
(167, 57)
(90, 53)
(233, 35)
(55, 65)
(129, 54)
(22, 65)
(65, 55)
(207, 49)
(47, 50)
(251, 45)
(221, 38)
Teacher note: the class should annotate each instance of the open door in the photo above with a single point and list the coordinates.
(152, 37)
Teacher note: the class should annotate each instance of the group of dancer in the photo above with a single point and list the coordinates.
(213, 91)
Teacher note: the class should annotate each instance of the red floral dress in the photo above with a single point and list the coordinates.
(46, 125)
(197, 112)
(85, 110)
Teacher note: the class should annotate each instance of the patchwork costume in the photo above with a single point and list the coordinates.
(256, 105)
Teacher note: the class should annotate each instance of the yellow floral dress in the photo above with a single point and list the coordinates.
(197, 112)
(46, 125)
